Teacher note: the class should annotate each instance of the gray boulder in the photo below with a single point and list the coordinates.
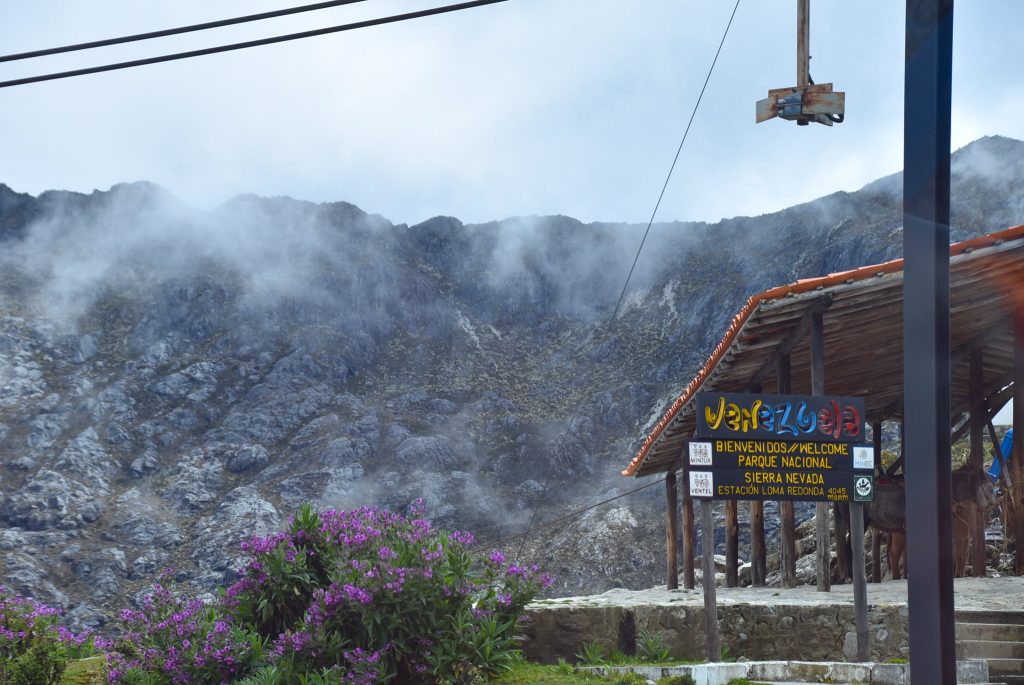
(51, 500)
(241, 514)
(87, 459)
(431, 452)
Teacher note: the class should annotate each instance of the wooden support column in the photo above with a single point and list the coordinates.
(708, 582)
(758, 551)
(732, 543)
(671, 533)
(841, 524)
(1017, 453)
(976, 459)
(860, 596)
(821, 536)
(689, 537)
(876, 538)
(787, 515)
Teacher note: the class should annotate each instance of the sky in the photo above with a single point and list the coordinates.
(525, 107)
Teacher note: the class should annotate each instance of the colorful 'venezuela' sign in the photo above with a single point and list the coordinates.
(780, 447)
(786, 417)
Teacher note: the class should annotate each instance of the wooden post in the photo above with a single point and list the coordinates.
(821, 535)
(976, 459)
(876, 538)
(787, 515)
(1017, 452)
(710, 599)
(787, 527)
(758, 550)
(758, 553)
(671, 532)
(803, 42)
(841, 523)
(732, 544)
(689, 537)
(860, 583)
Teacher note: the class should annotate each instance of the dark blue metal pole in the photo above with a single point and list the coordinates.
(926, 131)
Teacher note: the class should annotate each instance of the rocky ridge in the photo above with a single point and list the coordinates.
(173, 381)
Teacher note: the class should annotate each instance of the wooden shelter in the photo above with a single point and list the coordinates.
(850, 326)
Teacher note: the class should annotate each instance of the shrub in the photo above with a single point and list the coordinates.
(652, 647)
(591, 654)
(370, 596)
(174, 640)
(34, 650)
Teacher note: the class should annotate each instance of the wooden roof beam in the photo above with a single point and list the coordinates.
(803, 327)
(984, 338)
(993, 403)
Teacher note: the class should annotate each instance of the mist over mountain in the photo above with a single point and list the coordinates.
(174, 381)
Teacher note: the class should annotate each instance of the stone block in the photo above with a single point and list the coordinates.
(769, 670)
(890, 674)
(850, 673)
(972, 671)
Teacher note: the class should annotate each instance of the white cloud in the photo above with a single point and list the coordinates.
(525, 107)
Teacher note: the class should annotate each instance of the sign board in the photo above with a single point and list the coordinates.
(756, 469)
(820, 418)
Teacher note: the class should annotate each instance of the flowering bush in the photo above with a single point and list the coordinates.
(177, 640)
(340, 598)
(34, 650)
(369, 596)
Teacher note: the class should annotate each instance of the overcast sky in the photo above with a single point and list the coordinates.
(524, 107)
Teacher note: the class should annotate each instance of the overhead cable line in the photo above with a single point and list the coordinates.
(566, 517)
(252, 43)
(636, 258)
(175, 31)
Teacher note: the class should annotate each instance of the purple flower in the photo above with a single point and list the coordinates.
(462, 537)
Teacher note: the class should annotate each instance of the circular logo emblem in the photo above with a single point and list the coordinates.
(862, 485)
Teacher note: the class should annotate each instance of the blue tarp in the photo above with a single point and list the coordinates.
(1006, 446)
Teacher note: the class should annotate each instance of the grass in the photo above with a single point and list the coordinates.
(91, 671)
(537, 674)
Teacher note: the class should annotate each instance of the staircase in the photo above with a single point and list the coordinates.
(997, 637)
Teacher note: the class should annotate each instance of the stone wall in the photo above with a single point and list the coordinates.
(820, 632)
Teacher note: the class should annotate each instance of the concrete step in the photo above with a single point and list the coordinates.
(973, 672)
(1015, 681)
(1008, 632)
(998, 669)
(989, 649)
(1008, 679)
(1002, 617)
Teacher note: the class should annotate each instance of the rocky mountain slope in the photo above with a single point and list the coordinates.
(173, 381)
